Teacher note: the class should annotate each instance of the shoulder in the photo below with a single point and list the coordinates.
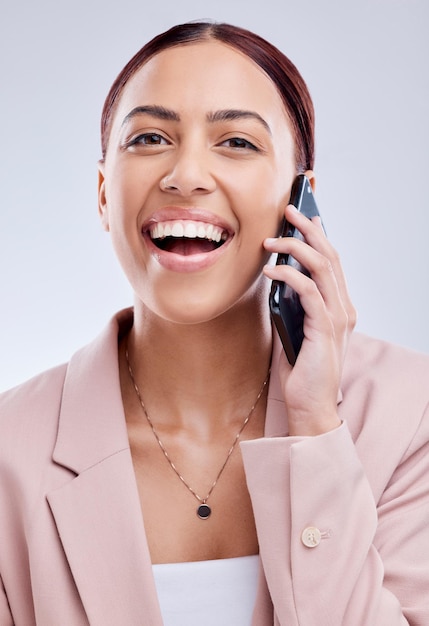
(377, 352)
(29, 397)
(385, 400)
(37, 389)
(42, 394)
(29, 417)
(385, 396)
(29, 413)
(379, 364)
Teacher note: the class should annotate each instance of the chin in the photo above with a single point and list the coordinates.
(190, 308)
(191, 314)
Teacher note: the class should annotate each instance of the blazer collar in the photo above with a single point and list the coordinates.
(92, 422)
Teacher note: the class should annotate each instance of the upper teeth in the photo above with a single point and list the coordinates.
(186, 228)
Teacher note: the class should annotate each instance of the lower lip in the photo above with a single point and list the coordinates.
(185, 264)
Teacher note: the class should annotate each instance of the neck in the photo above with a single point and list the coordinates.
(204, 373)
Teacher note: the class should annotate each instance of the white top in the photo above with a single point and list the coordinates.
(221, 591)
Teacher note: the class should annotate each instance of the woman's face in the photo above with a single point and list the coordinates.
(197, 173)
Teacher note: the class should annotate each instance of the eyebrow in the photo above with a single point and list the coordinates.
(155, 111)
(236, 114)
(224, 115)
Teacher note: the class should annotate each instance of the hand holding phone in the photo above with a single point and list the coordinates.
(285, 306)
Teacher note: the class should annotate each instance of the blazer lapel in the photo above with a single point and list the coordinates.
(97, 512)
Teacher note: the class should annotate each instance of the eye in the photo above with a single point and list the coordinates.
(148, 139)
(238, 143)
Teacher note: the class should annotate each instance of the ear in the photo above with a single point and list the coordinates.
(312, 178)
(102, 202)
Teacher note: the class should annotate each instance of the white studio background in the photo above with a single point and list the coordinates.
(366, 66)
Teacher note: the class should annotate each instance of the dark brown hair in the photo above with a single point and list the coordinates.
(276, 65)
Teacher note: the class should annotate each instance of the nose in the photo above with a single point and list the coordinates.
(190, 173)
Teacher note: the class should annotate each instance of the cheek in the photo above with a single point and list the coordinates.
(125, 192)
(122, 202)
(284, 173)
(264, 198)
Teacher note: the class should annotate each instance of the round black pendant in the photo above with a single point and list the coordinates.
(204, 511)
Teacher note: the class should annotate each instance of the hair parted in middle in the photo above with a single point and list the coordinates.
(277, 66)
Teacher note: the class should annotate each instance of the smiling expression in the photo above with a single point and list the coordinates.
(198, 171)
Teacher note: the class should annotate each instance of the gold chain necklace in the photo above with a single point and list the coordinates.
(203, 510)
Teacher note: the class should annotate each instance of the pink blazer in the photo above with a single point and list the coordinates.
(342, 519)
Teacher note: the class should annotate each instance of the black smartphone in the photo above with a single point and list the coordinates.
(285, 306)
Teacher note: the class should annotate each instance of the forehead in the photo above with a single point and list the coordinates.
(201, 77)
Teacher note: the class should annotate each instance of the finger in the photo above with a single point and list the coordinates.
(322, 275)
(321, 270)
(314, 234)
(317, 321)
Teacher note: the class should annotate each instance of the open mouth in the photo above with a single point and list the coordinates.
(187, 237)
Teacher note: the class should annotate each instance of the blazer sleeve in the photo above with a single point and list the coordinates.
(330, 554)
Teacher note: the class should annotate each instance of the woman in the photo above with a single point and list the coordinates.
(178, 468)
